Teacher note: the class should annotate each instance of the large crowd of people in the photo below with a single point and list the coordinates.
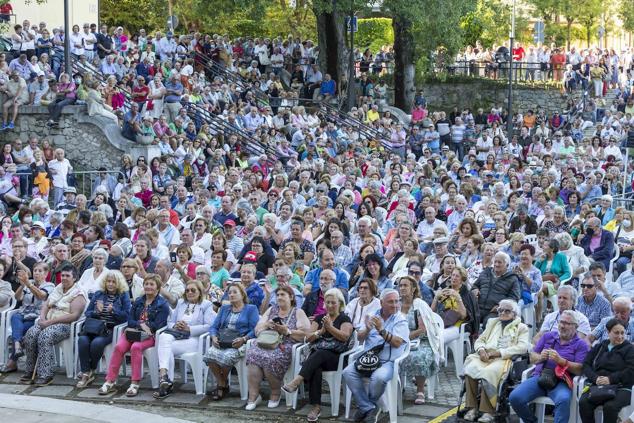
(336, 239)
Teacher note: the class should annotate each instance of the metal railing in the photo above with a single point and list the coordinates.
(200, 116)
(86, 181)
(523, 71)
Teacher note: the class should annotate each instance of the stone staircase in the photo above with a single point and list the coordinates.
(608, 99)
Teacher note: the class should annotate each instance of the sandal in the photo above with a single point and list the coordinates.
(420, 398)
(289, 389)
(133, 390)
(314, 414)
(86, 379)
(7, 369)
(107, 388)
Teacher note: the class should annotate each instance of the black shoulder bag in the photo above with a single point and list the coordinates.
(369, 361)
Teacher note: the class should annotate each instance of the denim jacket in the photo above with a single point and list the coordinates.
(120, 307)
(249, 317)
(158, 312)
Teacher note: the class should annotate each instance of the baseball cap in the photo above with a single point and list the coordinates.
(229, 222)
(68, 190)
(250, 257)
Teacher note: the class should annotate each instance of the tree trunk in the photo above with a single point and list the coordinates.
(569, 26)
(404, 69)
(332, 48)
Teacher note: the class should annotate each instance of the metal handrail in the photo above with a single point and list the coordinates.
(195, 111)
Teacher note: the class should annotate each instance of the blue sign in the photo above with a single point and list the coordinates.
(538, 32)
(355, 25)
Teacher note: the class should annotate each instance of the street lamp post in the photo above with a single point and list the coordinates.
(67, 64)
(509, 119)
(351, 70)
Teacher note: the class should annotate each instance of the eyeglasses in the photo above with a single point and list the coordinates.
(587, 285)
(414, 272)
(504, 310)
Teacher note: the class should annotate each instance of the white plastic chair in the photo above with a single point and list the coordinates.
(392, 399)
(332, 378)
(241, 368)
(150, 356)
(5, 329)
(107, 353)
(195, 362)
(542, 402)
(457, 348)
(531, 239)
(609, 275)
(529, 317)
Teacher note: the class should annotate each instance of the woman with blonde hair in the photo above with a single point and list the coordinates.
(110, 306)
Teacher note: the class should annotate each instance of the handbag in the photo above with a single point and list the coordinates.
(177, 334)
(270, 339)
(369, 361)
(136, 335)
(600, 394)
(331, 344)
(547, 379)
(226, 337)
(94, 327)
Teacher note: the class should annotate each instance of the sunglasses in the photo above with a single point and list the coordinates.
(414, 272)
(587, 285)
(191, 290)
(504, 310)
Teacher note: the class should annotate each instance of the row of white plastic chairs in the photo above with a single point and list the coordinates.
(67, 356)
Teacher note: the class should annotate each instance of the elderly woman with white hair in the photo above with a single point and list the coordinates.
(91, 279)
(503, 337)
(577, 260)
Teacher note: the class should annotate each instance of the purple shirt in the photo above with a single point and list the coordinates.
(574, 351)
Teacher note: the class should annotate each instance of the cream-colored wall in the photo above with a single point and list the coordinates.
(52, 12)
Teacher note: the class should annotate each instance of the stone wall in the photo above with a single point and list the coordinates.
(89, 142)
(444, 96)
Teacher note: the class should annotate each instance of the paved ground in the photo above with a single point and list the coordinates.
(184, 404)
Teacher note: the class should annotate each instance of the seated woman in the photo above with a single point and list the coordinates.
(6, 293)
(375, 270)
(288, 320)
(610, 362)
(502, 338)
(423, 362)
(191, 318)
(442, 279)
(232, 328)
(64, 306)
(553, 349)
(529, 275)
(330, 335)
(33, 294)
(554, 268)
(91, 279)
(149, 313)
(110, 305)
(366, 304)
(456, 305)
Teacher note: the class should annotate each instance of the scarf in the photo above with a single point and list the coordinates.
(78, 259)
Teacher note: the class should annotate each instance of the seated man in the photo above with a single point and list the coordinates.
(16, 94)
(566, 299)
(326, 261)
(389, 328)
(556, 348)
(313, 305)
(283, 275)
(622, 308)
(496, 284)
(594, 306)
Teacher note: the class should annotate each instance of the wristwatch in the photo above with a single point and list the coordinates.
(382, 332)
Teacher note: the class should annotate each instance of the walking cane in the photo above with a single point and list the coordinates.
(37, 360)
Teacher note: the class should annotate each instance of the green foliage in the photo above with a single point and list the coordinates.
(374, 33)
(490, 23)
(625, 10)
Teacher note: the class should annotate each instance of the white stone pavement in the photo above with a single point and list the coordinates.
(37, 409)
